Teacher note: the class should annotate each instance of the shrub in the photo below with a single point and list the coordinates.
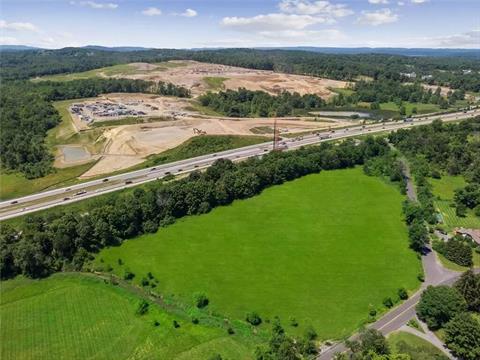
(388, 302)
(201, 301)
(120, 262)
(310, 333)
(253, 318)
(402, 294)
(372, 312)
(176, 325)
(421, 277)
(145, 282)
(195, 321)
(230, 331)
(128, 275)
(142, 307)
(150, 275)
(293, 322)
(458, 251)
(156, 323)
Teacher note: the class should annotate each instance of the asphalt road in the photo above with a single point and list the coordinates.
(48, 199)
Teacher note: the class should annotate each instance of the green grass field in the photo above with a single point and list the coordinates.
(322, 249)
(215, 82)
(443, 191)
(73, 316)
(421, 108)
(417, 348)
(120, 69)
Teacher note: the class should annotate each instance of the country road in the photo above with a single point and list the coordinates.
(48, 199)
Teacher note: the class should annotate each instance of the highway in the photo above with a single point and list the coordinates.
(61, 196)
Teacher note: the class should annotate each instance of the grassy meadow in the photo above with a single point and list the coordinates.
(416, 347)
(443, 190)
(322, 249)
(74, 316)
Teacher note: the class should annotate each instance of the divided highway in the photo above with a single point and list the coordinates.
(44, 200)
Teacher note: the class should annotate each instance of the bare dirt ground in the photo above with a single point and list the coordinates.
(129, 145)
(191, 74)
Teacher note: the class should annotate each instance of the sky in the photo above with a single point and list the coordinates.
(241, 23)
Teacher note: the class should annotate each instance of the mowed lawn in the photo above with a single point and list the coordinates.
(70, 316)
(322, 249)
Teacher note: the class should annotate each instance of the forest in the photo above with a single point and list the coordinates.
(27, 114)
(65, 240)
(444, 71)
(247, 103)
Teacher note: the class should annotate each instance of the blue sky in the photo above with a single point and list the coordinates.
(245, 23)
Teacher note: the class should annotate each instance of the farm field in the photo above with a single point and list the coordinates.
(322, 249)
(443, 190)
(73, 316)
(417, 348)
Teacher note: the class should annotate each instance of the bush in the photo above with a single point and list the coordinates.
(310, 333)
(458, 251)
(230, 331)
(142, 307)
(195, 321)
(156, 323)
(201, 301)
(120, 262)
(176, 325)
(144, 282)
(128, 275)
(293, 322)
(421, 277)
(402, 294)
(388, 302)
(253, 318)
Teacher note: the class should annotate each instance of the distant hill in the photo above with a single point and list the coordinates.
(117, 48)
(17, 48)
(392, 51)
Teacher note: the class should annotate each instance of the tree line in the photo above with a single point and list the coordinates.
(444, 71)
(247, 103)
(27, 113)
(65, 240)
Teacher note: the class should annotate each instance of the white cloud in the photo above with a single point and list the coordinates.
(293, 15)
(189, 13)
(96, 5)
(152, 11)
(321, 8)
(18, 26)
(8, 40)
(419, 1)
(400, 3)
(379, 17)
(376, 2)
(271, 22)
(466, 39)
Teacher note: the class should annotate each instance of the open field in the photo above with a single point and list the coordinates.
(201, 77)
(322, 249)
(421, 108)
(418, 349)
(443, 190)
(73, 316)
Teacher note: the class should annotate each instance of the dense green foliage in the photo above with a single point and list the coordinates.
(438, 305)
(469, 286)
(436, 148)
(443, 70)
(45, 245)
(457, 250)
(247, 103)
(462, 336)
(26, 114)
